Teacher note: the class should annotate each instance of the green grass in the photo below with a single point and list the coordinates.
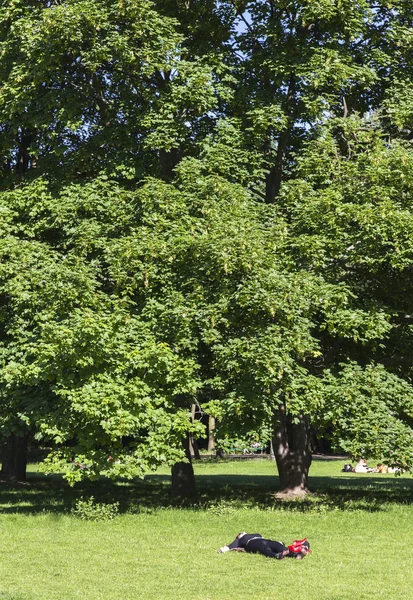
(360, 527)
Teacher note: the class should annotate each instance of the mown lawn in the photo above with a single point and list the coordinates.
(360, 527)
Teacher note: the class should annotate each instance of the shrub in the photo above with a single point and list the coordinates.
(90, 510)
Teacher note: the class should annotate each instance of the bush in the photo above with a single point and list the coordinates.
(89, 510)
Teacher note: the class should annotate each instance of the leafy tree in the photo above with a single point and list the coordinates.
(96, 86)
(350, 215)
(121, 307)
(303, 62)
(231, 226)
(298, 63)
(79, 365)
(92, 85)
(145, 300)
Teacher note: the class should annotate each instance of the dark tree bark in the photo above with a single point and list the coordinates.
(183, 478)
(23, 157)
(193, 444)
(14, 458)
(168, 161)
(292, 451)
(275, 175)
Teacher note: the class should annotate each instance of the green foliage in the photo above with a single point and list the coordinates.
(374, 405)
(141, 301)
(140, 270)
(249, 445)
(99, 85)
(90, 510)
(78, 362)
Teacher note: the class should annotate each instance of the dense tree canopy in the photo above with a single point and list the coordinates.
(206, 202)
(95, 84)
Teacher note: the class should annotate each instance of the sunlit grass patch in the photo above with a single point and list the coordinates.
(156, 549)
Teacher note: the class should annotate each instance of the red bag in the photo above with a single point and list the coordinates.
(298, 545)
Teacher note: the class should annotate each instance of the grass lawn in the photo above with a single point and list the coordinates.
(360, 528)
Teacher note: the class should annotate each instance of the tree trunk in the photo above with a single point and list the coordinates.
(276, 173)
(195, 453)
(23, 157)
(168, 161)
(14, 458)
(193, 444)
(211, 434)
(272, 453)
(292, 450)
(183, 478)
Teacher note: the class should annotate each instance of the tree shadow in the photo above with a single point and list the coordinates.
(216, 493)
(368, 493)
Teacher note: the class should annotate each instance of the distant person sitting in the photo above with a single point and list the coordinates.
(256, 544)
(381, 468)
(361, 467)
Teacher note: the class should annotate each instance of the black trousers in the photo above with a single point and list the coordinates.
(268, 548)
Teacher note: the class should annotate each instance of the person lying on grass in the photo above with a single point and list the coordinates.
(254, 542)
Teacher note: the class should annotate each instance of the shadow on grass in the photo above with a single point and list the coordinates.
(218, 494)
(11, 596)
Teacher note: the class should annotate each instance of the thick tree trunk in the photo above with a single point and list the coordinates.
(292, 451)
(183, 478)
(14, 458)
